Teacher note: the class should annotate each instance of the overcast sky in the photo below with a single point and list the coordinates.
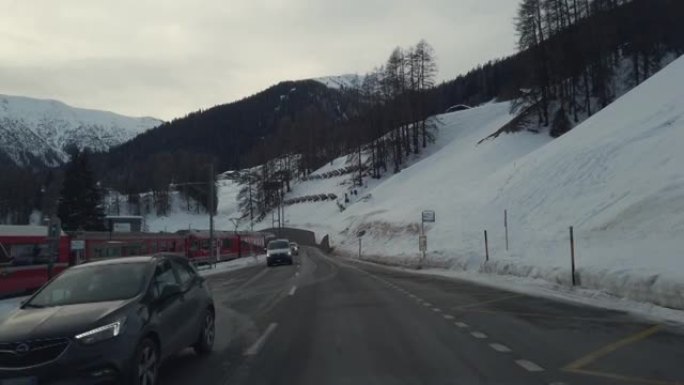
(165, 58)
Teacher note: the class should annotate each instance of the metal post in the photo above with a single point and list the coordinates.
(359, 247)
(422, 233)
(212, 252)
(506, 227)
(486, 247)
(572, 254)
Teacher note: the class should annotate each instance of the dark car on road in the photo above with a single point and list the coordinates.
(278, 252)
(110, 321)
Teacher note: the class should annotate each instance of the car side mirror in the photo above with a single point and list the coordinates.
(169, 291)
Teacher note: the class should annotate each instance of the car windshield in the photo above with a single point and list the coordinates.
(97, 283)
(278, 245)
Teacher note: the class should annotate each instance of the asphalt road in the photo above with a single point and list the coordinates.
(332, 321)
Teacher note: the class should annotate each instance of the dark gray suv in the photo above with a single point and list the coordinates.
(111, 321)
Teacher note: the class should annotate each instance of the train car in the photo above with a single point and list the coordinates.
(102, 245)
(25, 257)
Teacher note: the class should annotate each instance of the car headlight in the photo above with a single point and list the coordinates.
(102, 333)
(289, 253)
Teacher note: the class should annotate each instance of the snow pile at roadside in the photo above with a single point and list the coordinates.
(617, 178)
(235, 264)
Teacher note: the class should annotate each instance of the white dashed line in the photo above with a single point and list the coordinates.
(500, 348)
(427, 304)
(462, 325)
(529, 366)
(436, 310)
(479, 335)
(448, 316)
(293, 290)
(256, 347)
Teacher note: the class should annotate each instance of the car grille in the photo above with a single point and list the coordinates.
(25, 354)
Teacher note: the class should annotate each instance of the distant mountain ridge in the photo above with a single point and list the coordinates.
(38, 131)
(345, 81)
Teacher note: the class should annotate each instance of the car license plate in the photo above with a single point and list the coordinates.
(20, 381)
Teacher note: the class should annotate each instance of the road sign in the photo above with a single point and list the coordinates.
(422, 243)
(361, 233)
(428, 216)
(77, 244)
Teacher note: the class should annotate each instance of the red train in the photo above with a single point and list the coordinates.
(24, 255)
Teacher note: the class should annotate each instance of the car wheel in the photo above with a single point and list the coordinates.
(205, 341)
(146, 365)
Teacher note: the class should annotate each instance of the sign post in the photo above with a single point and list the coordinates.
(54, 232)
(429, 217)
(360, 235)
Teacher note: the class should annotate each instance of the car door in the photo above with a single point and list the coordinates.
(193, 300)
(167, 311)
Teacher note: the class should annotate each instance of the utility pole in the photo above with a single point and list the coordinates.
(210, 200)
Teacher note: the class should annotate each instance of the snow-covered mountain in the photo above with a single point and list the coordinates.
(341, 81)
(37, 131)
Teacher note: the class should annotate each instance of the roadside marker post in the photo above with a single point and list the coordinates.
(486, 247)
(429, 217)
(572, 254)
(506, 227)
(360, 235)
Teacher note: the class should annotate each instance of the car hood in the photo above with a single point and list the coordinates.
(57, 321)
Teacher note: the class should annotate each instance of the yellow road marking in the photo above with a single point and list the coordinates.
(604, 351)
(499, 299)
(622, 378)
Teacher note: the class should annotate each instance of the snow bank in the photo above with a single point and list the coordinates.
(233, 265)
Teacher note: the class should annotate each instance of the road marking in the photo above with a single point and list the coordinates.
(529, 366)
(462, 325)
(448, 316)
(619, 377)
(500, 348)
(427, 304)
(293, 290)
(436, 310)
(479, 335)
(604, 351)
(256, 347)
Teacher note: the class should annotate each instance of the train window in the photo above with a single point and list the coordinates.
(4, 254)
(227, 243)
(113, 251)
(29, 254)
(194, 246)
(205, 244)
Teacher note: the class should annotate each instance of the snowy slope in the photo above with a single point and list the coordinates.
(181, 219)
(616, 178)
(341, 81)
(36, 130)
